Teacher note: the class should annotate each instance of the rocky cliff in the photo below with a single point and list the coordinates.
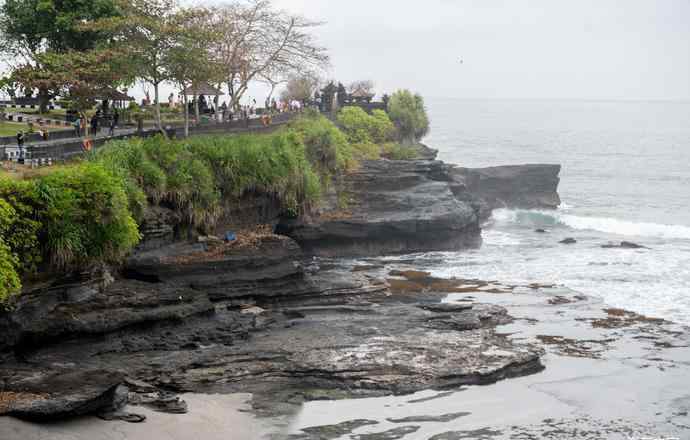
(390, 207)
(255, 315)
(515, 186)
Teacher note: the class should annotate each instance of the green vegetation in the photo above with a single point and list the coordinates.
(408, 113)
(9, 278)
(11, 128)
(361, 127)
(395, 151)
(327, 148)
(195, 176)
(73, 218)
(82, 215)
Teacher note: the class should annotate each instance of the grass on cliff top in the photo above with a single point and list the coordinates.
(196, 176)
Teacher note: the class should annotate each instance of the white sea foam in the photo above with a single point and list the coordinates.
(601, 224)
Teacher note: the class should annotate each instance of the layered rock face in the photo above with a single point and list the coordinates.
(390, 207)
(514, 186)
(249, 319)
(257, 316)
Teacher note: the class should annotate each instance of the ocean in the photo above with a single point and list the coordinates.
(626, 176)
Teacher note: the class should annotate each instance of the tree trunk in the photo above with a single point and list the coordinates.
(43, 100)
(270, 95)
(186, 116)
(157, 108)
(196, 109)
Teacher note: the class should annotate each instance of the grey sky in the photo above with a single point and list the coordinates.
(584, 49)
(579, 49)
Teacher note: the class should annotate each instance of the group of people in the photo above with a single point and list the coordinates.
(95, 123)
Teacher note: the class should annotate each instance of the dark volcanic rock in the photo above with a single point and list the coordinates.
(264, 269)
(94, 307)
(46, 395)
(515, 186)
(347, 337)
(623, 245)
(392, 207)
(420, 419)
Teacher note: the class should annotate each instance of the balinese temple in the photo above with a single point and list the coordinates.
(361, 96)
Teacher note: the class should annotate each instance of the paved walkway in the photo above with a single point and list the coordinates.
(103, 134)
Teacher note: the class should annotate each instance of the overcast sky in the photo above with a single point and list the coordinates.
(575, 49)
(581, 49)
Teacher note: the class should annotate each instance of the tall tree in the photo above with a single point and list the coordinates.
(83, 76)
(301, 87)
(30, 28)
(146, 29)
(188, 61)
(408, 113)
(256, 42)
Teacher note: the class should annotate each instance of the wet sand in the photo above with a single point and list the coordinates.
(210, 417)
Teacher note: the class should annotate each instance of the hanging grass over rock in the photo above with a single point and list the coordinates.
(86, 218)
(195, 176)
(74, 218)
(327, 148)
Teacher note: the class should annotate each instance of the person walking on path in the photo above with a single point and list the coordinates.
(20, 144)
(77, 126)
(113, 123)
(94, 125)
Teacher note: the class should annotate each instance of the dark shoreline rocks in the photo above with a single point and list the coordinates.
(390, 207)
(255, 317)
(351, 338)
(623, 245)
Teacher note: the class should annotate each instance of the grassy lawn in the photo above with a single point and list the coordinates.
(53, 114)
(11, 128)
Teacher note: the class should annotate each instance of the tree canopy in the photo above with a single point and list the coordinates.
(408, 113)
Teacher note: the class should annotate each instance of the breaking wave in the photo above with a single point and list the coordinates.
(552, 219)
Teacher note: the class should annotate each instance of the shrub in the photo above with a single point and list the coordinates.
(360, 127)
(86, 219)
(382, 128)
(408, 113)
(327, 148)
(366, 151)
(72, 218)
(395, 151)
(20, 223)
(10, 283)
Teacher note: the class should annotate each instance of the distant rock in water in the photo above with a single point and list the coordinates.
(623, 245)
(533, 186)
(541, 231)
(568, 241)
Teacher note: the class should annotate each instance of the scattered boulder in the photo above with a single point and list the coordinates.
(541, 231)
(569, 240)
(623, 245)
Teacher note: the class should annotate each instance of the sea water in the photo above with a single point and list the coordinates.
(625, 177)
